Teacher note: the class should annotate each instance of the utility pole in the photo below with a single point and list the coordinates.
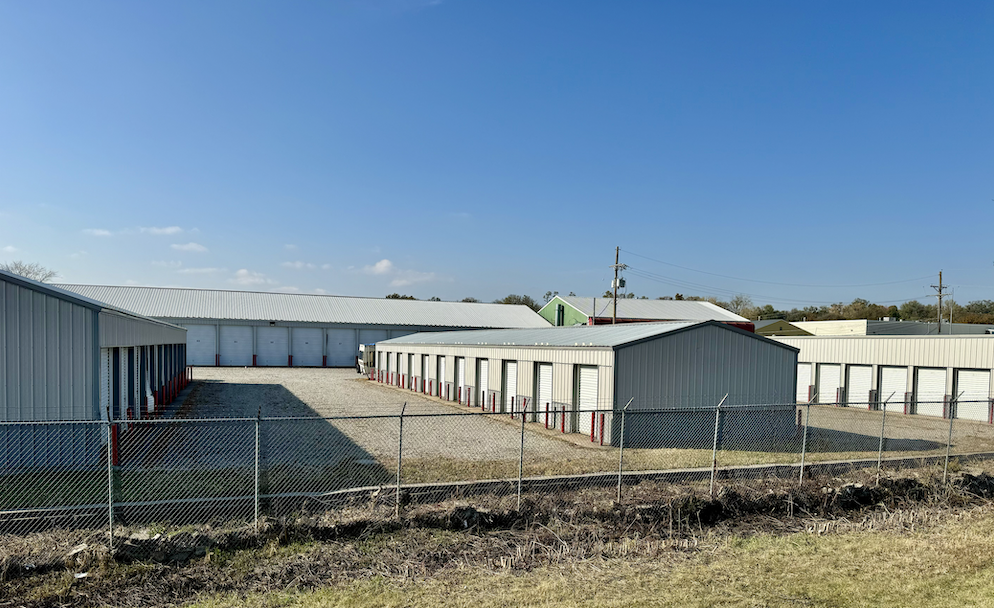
(617, 267)
(939, 288)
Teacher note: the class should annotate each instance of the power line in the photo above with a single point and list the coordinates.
(722, 291)
(713, 274)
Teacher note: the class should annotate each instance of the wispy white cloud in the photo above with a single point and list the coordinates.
(97, 232)
(325, 266)
(10, 249)
(78, 254)
(410, 277)
(247, 277)
(158, 231)
(400, 277)
(384, 266)
(167, 264)
(290, 247)
(201, 270)
(194, 247)
(287, 289)
(320, 292)
(298, 265)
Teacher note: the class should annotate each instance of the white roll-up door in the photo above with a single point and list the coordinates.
(441, 376)
(930, 389)
(893, 385)
(425, 371)
(973, 390)
(544, 396)
(510, 389)
(273, 345)
(828, 382)
(803, 382)
(587, 397)
(483, 381)
(106, 378)
(308, 349)
(460, 379)
(858, 385)
(342, 348)
(236, 345)
(201, 345)
(372, 336)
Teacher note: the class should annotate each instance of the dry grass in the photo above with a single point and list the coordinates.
(948, 563)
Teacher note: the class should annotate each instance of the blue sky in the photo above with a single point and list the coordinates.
(797, 152)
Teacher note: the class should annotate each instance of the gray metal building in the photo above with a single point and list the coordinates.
(244, 328)
(576, 378)
(64, 357)
(925, 375)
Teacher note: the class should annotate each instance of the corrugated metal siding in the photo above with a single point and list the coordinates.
(696, 368)
(174, 303)
(46, 364)
(121, 330)
(976, 352)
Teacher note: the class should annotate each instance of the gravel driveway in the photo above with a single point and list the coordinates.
(432, 429)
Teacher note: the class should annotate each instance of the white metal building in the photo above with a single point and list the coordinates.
(926, 375)
(64, 357)
(575, 378)
(870, 327)
(244, 328)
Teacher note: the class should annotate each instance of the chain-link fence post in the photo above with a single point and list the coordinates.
(714, 445)
(521, 458)
(258, 424)
(400, 457)
(621, 447)
(949, 443)
(883, 426)
(110, 482)
(804, 440)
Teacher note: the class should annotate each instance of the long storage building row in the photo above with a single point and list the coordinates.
(244, 328)
(576, 378)
(926, 375)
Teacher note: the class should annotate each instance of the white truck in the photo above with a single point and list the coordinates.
(365, 362)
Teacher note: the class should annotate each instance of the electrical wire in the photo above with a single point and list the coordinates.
(713, 274)
(644, 274)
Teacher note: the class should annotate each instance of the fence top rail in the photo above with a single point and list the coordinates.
(455, 414)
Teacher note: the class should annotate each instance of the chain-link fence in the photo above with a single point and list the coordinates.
(100, 475)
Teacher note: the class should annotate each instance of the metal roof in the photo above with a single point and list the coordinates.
(60, 292)
(182, 303)
(596, 336)
(663, 310)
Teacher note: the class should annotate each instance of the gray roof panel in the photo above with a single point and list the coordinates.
(181, 303)
(596, 336)
(663, 310)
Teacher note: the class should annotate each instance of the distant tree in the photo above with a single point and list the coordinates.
(397, 296)
(549, 295)
(434, 299)
(608, 294)
(913, 310)
(739, 303)
(572, 294)
(665, 298)
(469, 300)
(522, 300)
(678, 296)
(29, 270)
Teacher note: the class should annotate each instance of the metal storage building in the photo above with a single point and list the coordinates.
(559, 376)
(565, 311)
(64, 357)
(927, 375)
(870, 327)
(245, 328)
